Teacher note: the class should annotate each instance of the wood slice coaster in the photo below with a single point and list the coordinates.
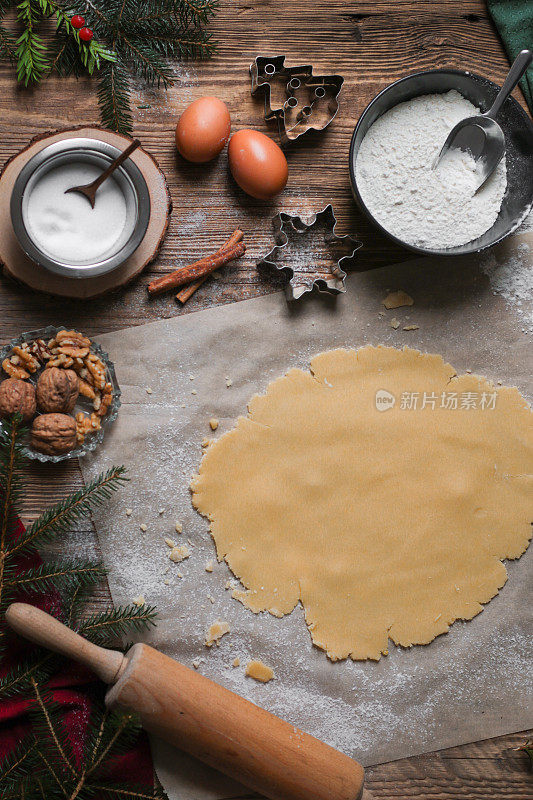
(17, 265)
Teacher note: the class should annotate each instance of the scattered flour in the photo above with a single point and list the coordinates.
(436, 209)
(513, 280)
(414, 700)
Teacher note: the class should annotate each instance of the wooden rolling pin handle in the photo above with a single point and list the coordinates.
(42, 629)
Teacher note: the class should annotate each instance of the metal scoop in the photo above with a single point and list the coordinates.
(481, 135)
(90, 189)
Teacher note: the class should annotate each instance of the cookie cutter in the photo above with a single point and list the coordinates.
(297, 99)
(325, 273)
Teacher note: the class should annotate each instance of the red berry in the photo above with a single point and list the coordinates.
(77, 22)
(86, 34)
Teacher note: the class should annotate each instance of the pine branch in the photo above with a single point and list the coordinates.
(170, 41)
(79, 504)
(88, 55)
(132, 37)
(145, 34)
(44, 767)
(196, 12)
(30, 50)
(109, 626)
(49, 728)
(20, 677)
(117, 725)
(7, 44)
(54, 776)
(112, 792)
(145, 60)
(182, 12)
(114, 98)
(18, 764)
(95, 736)
(60, 575)
(11, 442)
(74, 605)
(11, 437)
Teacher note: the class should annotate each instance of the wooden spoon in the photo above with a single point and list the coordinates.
(90, 189)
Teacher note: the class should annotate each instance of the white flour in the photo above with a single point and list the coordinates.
(512, 278)
(436, 209)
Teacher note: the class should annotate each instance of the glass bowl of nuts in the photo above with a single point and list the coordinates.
(64, 386)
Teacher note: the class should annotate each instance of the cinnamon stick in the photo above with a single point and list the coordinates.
(187, 292)
(202, 267)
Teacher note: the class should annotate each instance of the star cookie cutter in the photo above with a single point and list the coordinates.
(319, 268)
(297, 99)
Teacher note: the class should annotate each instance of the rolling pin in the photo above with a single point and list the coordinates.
(197, 715)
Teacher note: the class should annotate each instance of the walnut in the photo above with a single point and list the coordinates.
(53, 434)
(96, 369)
(11, 367)
(70, 344)
(102, 403)
(61, 361)
(17, 396)
(26, 359)
(57, 390)
(86, 389)
(85, 425)
(40, 350)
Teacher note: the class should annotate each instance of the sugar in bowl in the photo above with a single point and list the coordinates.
(60, 231)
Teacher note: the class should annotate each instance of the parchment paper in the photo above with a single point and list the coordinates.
(466, 685)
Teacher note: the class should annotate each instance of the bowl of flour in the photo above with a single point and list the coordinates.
(438, 211)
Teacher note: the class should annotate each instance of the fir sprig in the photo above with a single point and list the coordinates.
(133, 39)
(11, 436)
(59, 575)
(7, 40)
(68, 776)
(61, 516)
(146, 36)
(107, 627)
(44, 765)
(114, 98)
(30, 49)
(38, 666)
(31, 52)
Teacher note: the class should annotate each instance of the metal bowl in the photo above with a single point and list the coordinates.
(130, 180)
(92, 440)
(517, 128)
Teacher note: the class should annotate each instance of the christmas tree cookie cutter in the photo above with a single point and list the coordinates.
(310, 253)
(298, 100)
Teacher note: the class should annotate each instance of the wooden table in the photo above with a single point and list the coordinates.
(371, 44)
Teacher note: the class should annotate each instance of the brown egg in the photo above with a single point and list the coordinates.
(203, 129)
(257, 164)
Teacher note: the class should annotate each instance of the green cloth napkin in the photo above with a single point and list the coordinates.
(514, 21)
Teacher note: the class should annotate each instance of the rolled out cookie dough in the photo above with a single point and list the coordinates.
(387, 522)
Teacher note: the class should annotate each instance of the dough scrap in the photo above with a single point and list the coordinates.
(259, 671)
(398, 299)
(384, 524)
(216, 631)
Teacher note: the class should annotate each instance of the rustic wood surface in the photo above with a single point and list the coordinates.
(371, 44)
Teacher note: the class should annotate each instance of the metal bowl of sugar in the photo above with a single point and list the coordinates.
(517, 199)
(61, 232)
